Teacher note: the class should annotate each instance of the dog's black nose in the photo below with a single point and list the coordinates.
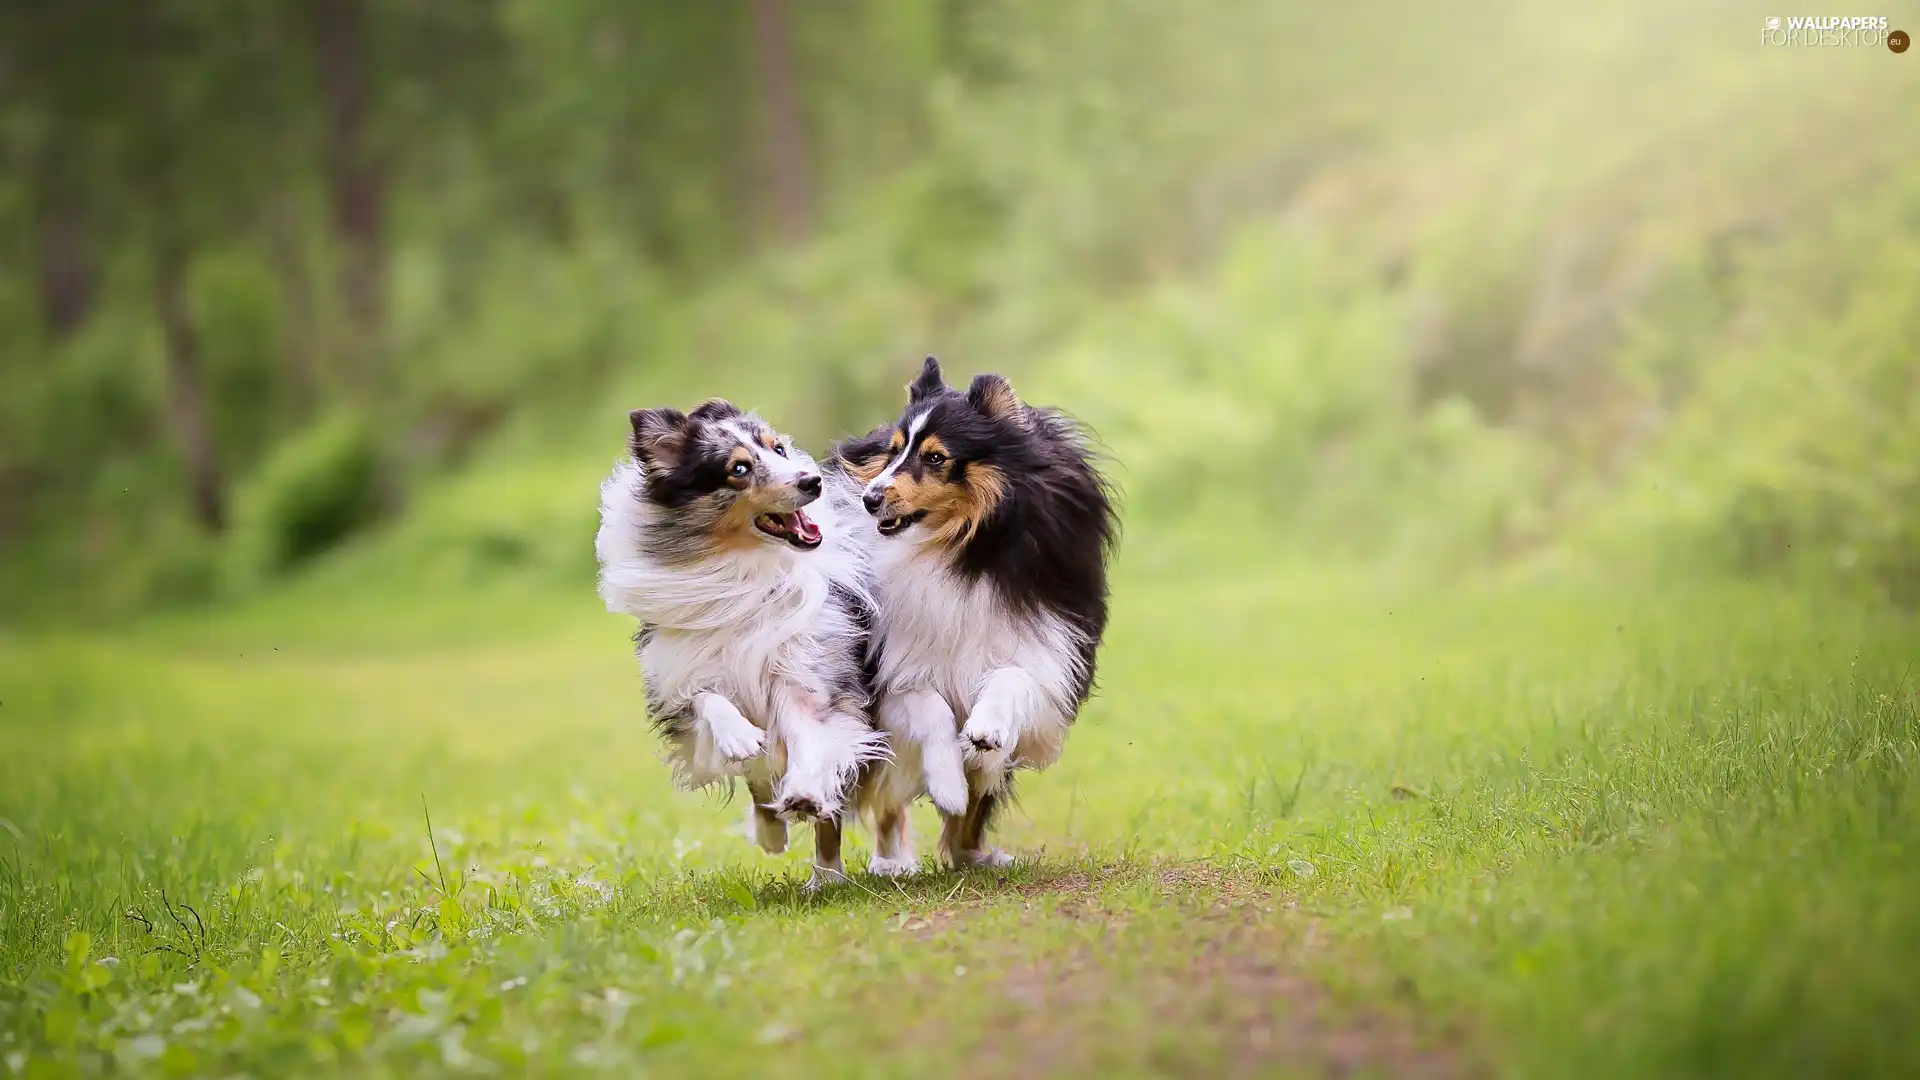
(872, 500)
(808, 485)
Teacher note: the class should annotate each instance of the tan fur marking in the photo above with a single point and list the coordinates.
(985, 486)
(865, 470)
(934, 495)
(735, 530)
(988, 485)
(898, 443)
(740, 454)
(954, 511)
(932, 445)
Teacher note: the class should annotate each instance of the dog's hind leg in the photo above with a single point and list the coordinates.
(963, 837)
(827, 867)
(769, 830)
(892, 844)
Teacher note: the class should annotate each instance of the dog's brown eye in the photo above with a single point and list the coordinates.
(934, 458)
(740, 468)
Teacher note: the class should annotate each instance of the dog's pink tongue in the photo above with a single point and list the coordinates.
(804, 527)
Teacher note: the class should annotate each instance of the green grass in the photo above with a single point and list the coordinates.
(1542, 828)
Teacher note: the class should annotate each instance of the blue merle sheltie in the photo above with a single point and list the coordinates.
(991, 596)
(747, 567)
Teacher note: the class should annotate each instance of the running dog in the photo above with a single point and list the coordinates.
(991, 597)
(748, 570)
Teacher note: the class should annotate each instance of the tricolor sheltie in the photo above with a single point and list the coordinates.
(747, 569)
(990, 593)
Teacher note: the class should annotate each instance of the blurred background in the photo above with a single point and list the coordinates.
(363, 288)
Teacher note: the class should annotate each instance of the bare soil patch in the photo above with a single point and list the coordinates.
(1236, 1004)
(1221, 992)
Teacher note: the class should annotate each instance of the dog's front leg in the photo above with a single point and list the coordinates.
(724, 738)
(1010, 703)
(924, 719)
(825, 748)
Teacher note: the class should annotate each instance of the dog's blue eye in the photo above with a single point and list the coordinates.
(778, 449)
(740, 468)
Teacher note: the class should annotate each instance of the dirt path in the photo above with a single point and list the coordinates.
(1208, 977)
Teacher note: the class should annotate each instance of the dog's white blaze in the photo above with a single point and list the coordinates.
(752, 626)
(880, 483)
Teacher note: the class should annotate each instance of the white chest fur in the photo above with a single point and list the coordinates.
(942, 633)
(772, 648)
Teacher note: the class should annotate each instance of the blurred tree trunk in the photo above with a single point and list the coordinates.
(356, 181)
(785, 139)
(299, 349)
(187, 412)
(67, 278)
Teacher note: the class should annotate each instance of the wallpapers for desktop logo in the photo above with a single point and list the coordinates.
(1832, 32)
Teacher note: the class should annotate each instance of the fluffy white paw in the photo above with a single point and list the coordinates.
(947, 785)
(738, 742)
(822, 877)
(904, 866)
(990, 859)
(989, 731)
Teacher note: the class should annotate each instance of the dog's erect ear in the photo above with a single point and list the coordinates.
(715, 409)
(928, 384)
(659, 436)
(993, 395)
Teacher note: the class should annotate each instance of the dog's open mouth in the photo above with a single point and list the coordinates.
(794, 526)
(891, 525)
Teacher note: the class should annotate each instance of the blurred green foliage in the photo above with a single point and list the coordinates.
(1444, 283)
(317, 488)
